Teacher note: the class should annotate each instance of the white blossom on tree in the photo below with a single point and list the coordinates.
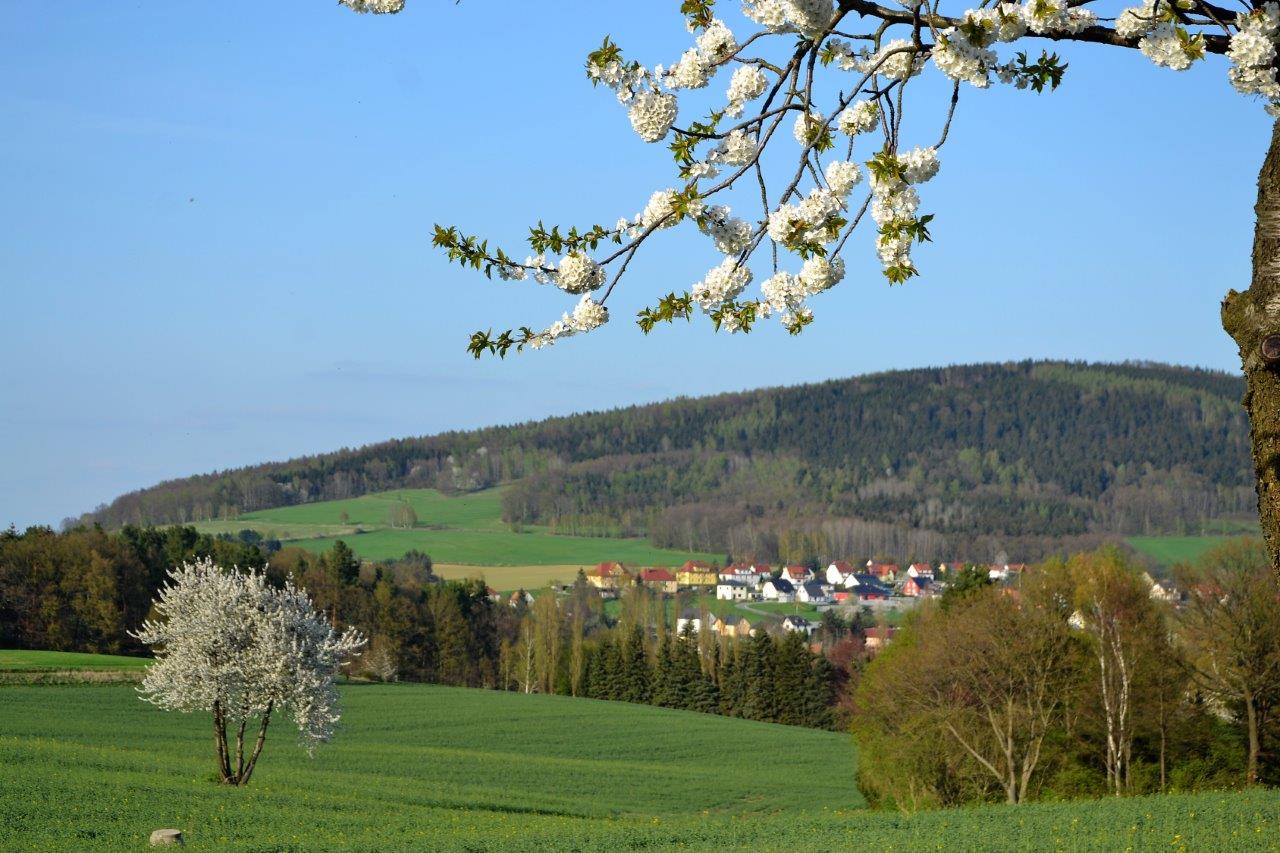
(229, 643)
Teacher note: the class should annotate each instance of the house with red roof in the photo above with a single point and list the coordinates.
(696, 573)
(612, 576)
(659, 579)
(920, 570)
(879, 636)
(839, 572)
(885, 572)
(797, 574)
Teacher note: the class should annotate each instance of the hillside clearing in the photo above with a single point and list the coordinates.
(457, 531)
(1174, 550)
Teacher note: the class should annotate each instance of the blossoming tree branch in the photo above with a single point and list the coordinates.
(826, 81)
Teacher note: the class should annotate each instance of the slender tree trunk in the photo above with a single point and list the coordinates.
(257, 747)
(1251, 722)
(220, 744)
(1251, 318)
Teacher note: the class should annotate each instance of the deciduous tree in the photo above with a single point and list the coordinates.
(229, 643)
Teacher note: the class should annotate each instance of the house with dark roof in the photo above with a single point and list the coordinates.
(778, 589)
(919, 588)
(798, 624)
(813, 593)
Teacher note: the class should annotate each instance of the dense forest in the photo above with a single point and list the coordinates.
(932, 462)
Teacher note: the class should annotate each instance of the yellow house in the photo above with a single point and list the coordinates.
(696, 573)
(609, 576)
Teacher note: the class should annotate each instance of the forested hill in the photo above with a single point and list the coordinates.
(1013, 451)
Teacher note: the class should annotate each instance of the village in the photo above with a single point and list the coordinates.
(877, 592)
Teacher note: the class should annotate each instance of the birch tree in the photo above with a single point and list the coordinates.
(228, 643)
(824, 84)
(1115, 609)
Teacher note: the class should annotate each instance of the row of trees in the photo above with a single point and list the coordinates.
(1078, 683)
(85, 589)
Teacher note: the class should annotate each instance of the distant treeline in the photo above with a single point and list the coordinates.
(86, 589)
(949, 463)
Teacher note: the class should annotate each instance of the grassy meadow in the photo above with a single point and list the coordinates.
(19, 660)
(461, 533)
(1174, 550)
(422, 767)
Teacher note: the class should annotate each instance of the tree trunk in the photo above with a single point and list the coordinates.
(1251, 723)
(257, 747)
(220, 744)
(1251, 318)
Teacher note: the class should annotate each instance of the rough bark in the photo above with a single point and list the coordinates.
(1250, 317)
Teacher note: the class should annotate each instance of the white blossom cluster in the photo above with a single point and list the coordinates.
(578, 273)
(652, 114)
(730, 234)
(377, 7)
(228, 637)
(747, 83)
(808, 127)
(1160, 38)
(959, 57)
(738, 148)
(1056, 17)
(894, 201)
(721, 284)
(897, 59)
(859, 117)
(785, 293)
(810, 18)
(1252, 50)
(588, 314)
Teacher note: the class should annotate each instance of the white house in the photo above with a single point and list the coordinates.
(798, 624)
(920, 570)
(797, 574)
(733, 591)
(839, 573)
(812, 593)
(694, 621)
(779, 589)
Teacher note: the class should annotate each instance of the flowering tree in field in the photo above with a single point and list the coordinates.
(819, 80)
(228, 643)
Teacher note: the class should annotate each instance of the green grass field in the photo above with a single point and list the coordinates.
(1172, 550)
(16, 660)
(465, 530)
(420, 767)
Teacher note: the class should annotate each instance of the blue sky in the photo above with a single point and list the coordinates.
(215, 231)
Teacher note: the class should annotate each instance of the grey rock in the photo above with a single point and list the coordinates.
(166, 836)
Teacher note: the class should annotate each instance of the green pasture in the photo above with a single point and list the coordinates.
(462, 530)
(431, 768)
(1172, 550)
(19, 660)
